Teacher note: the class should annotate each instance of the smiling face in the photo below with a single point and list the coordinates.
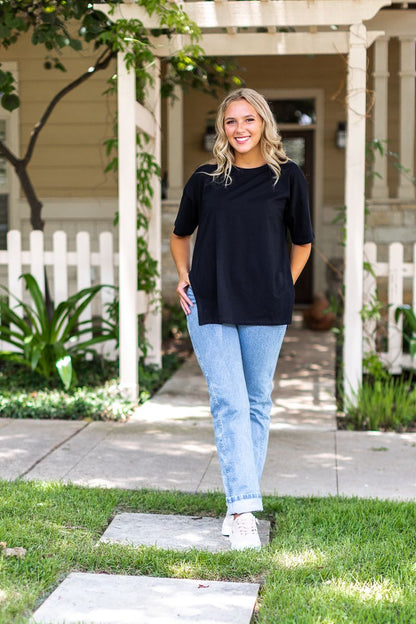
(243, 127)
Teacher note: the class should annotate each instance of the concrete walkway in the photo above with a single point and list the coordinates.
(169, 444)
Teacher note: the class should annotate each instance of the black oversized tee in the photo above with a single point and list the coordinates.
(240, 268)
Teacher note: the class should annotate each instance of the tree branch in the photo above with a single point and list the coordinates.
(33, 200)
(102, 63)
(8, 155)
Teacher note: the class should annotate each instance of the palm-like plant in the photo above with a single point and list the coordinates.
(409, 317)
(48, 345)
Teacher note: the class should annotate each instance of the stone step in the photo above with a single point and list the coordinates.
(173, 532)
(117, 599)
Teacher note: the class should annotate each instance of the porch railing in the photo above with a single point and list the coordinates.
(397, 276)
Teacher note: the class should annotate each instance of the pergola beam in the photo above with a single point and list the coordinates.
(231, 30)
(255, 44)
(257, 13)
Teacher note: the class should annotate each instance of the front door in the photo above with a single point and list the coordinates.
(299, 146)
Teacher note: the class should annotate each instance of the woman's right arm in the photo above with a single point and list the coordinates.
(180, 247)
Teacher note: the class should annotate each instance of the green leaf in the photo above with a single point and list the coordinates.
(408, 314)
(85, 296)
(367, 266)
(10, 101)
(9, 339)
(38, 300)
(36, 356)
(82, 346)
(6, 81)
(9, 316)
(75, 44)
(64, 368)
(58, 65)
(14, 356)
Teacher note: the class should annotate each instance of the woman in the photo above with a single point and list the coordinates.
(239, 294)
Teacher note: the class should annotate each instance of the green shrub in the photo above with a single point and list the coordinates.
(383, 404)
(102, 403)
(46, 344)
(26, 394)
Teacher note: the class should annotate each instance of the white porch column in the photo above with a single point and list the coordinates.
(127, 202)
(153, 322)
(407, 115)
(354, 200)
(380, 115)
(175, 144)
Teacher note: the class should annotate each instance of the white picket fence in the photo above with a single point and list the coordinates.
(396, 271)
(102, 263)
(105, 261)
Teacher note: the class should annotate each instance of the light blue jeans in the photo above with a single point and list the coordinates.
(238, 362)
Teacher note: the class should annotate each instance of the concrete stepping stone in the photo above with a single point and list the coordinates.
(117, 599)
(173, 532)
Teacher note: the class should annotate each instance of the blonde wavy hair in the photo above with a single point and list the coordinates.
(270, 142)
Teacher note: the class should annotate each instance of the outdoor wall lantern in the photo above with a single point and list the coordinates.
(210, 135)
(341, 135)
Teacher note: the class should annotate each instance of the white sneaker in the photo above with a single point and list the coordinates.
(244, 532)
(227, 525)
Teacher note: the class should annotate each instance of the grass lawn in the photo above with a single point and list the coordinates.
(330, 559)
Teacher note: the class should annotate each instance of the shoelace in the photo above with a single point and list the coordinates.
(246, 524)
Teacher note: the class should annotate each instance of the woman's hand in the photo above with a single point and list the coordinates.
(180, 247)
(181, 289)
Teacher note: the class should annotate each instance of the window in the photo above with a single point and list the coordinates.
(294, 111)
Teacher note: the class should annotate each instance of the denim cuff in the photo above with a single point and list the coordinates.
(245, 505)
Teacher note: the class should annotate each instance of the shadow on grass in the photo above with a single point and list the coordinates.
(329, 560)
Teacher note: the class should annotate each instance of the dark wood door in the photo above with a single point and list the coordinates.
(299, 146)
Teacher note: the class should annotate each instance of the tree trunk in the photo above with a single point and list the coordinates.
(35, 204)
(35, 219)
(21, 164)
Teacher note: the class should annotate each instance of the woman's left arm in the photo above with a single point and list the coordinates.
(299, 255)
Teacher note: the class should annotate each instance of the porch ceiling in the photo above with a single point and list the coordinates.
(262, 27)
(261, 13)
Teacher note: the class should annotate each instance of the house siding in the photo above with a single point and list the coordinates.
(69, 158)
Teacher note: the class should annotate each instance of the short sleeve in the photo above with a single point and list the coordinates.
(188, 214)
(298, 219)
